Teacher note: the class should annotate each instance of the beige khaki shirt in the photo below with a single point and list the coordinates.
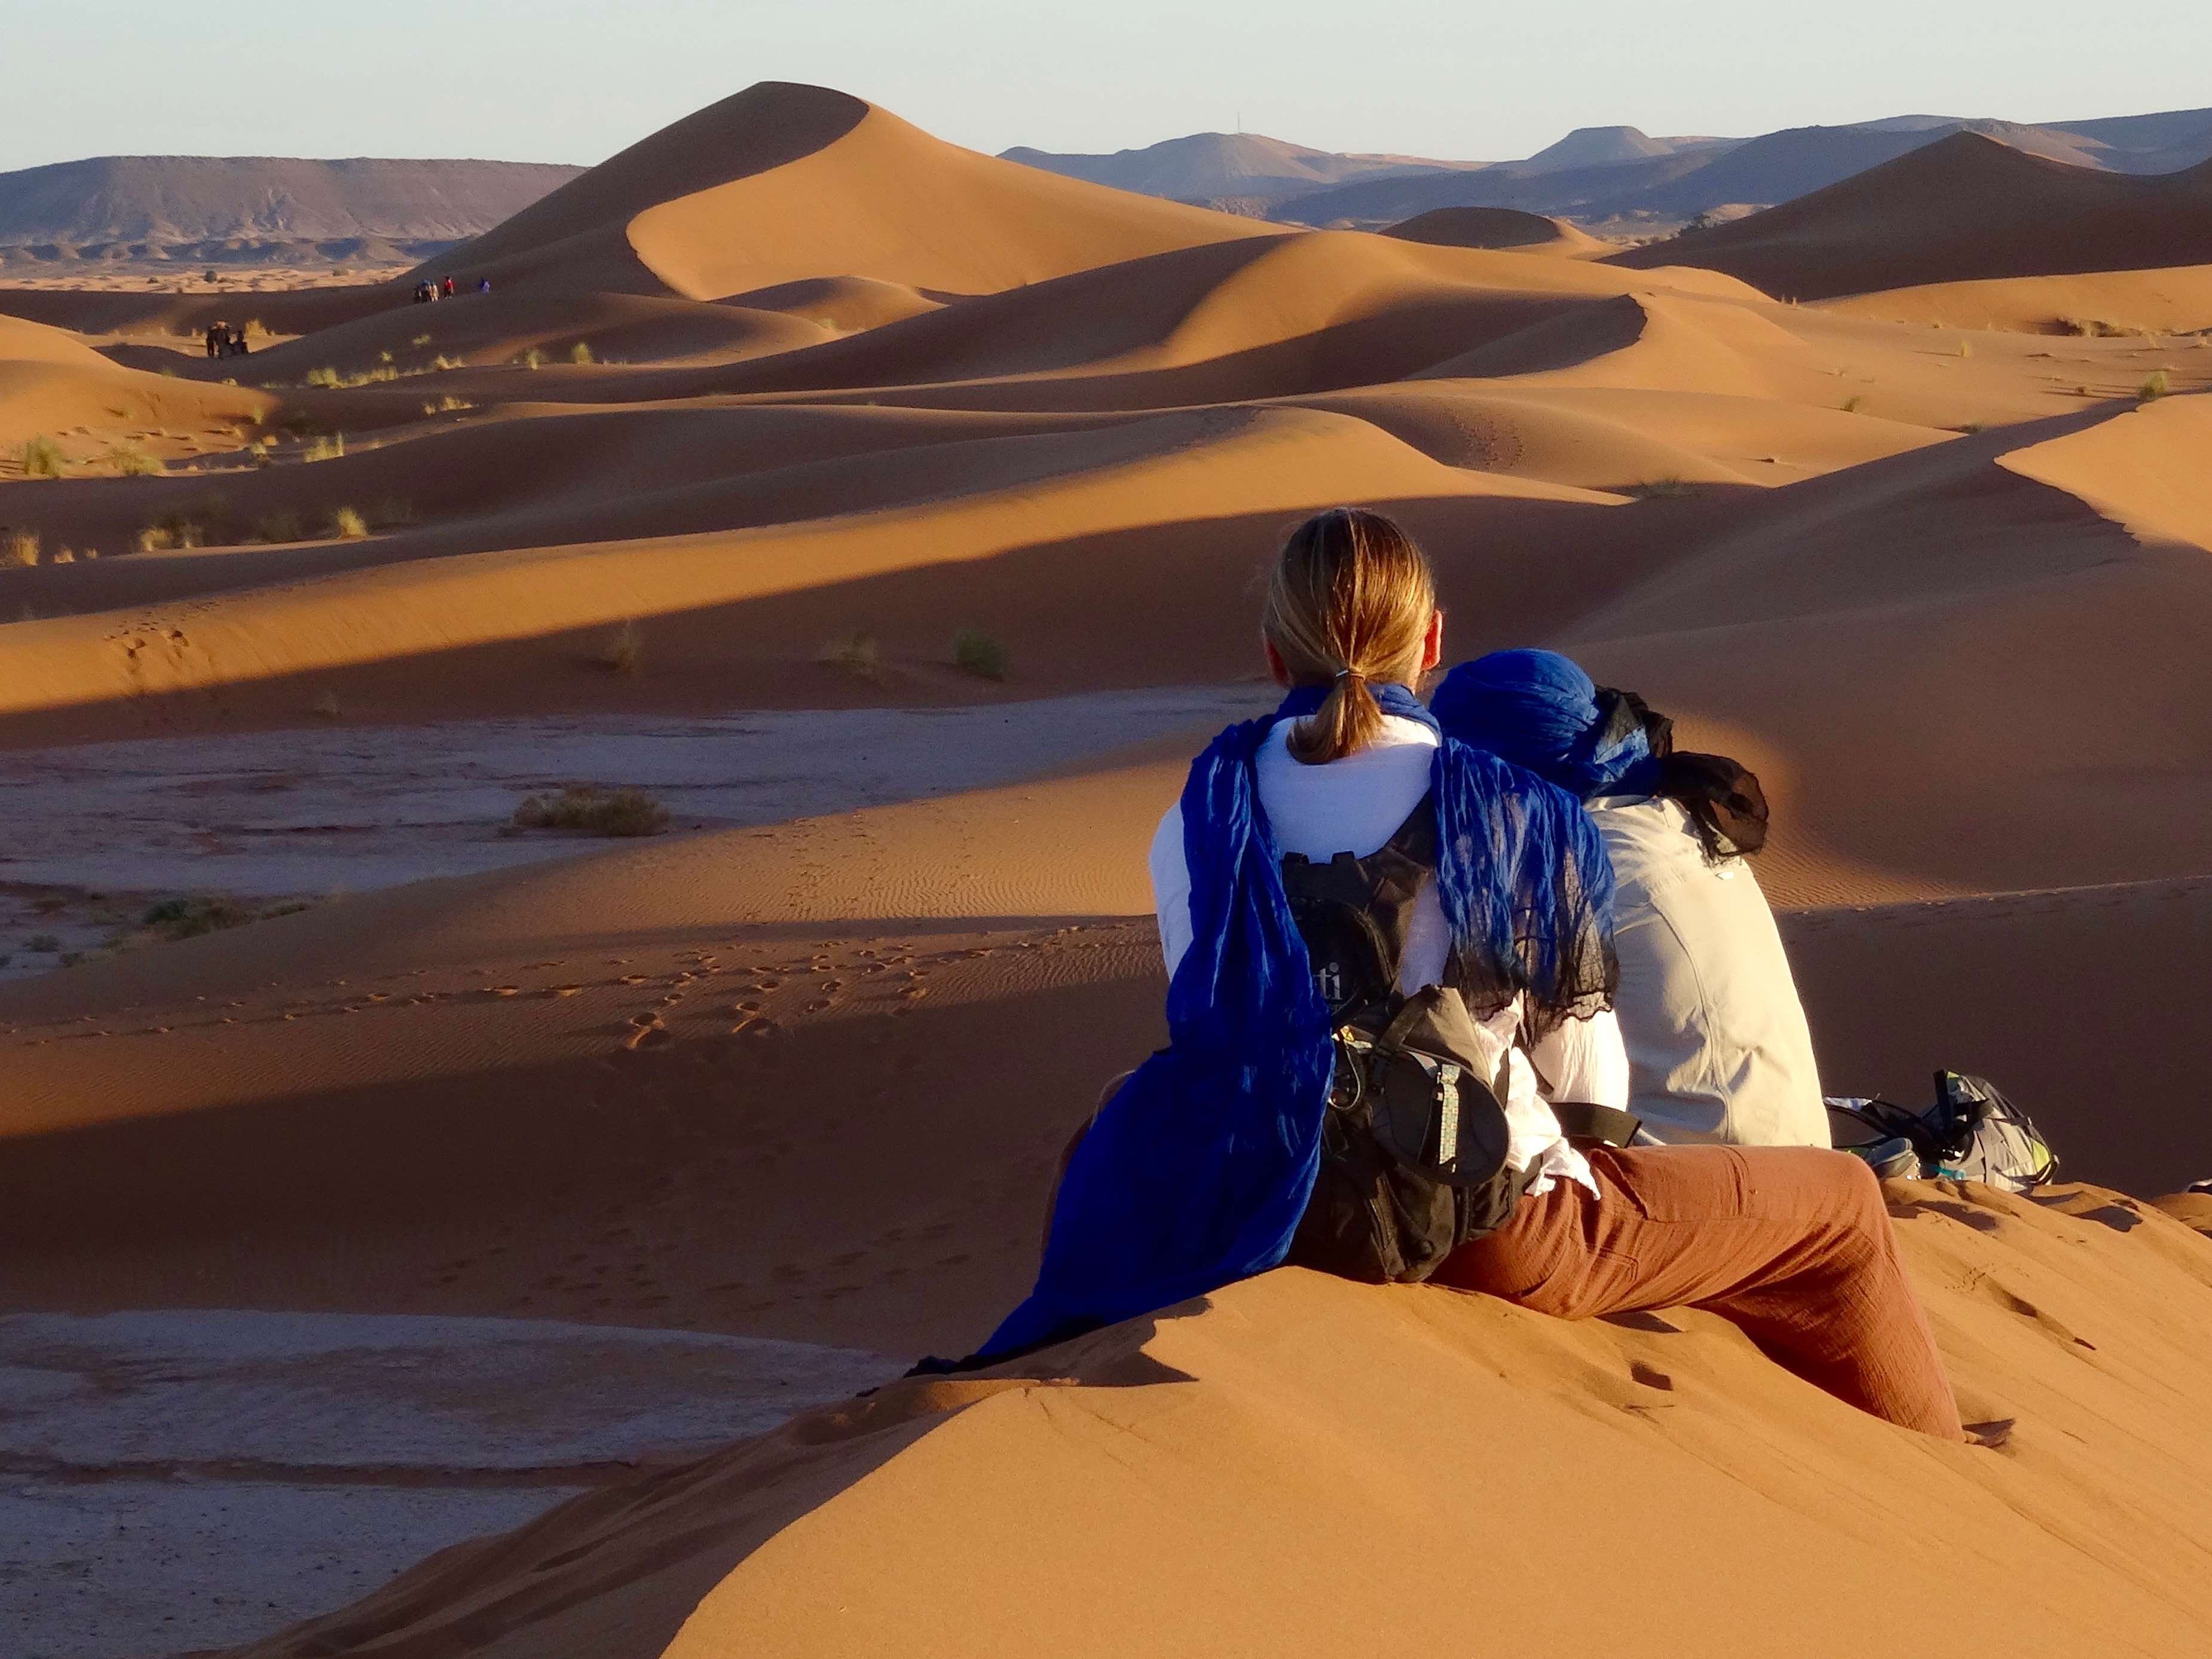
(1718, 1050)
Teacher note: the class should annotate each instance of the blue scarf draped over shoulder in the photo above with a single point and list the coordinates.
(1197, 1172)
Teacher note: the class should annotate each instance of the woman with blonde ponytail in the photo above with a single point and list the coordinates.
(1390, 955)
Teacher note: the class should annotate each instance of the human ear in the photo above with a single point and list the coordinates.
(1432, 643)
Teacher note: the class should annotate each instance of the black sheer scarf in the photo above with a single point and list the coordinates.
(1726, 807)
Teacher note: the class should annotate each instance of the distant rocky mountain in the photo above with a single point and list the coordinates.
(1242, 168)
(249, 208)
(1597, 146)
(1617, 178)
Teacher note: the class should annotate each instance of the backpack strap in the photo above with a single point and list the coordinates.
(1581, 1119)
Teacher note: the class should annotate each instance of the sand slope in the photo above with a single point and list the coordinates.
(1216, 1469)
(1965, 208)
(782, 182)
(1475, 227)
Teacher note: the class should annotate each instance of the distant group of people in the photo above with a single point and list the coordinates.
(225, 341)
(426, 292)
(1478, 990)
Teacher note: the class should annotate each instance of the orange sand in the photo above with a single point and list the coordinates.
(1945, 587)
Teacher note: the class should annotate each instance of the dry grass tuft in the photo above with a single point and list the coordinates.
(2096, 328)
(584, 810)
(19, 547)
(281, 523)
(348, 525)
(1852, 406)
(1659, 490)
(41, 458)
(624, 651)
(858, 654)
(327, 448)
(580, 352)
(2152, 389)
(976, 652)
(131, 462)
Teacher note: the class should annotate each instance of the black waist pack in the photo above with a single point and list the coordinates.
(1413, 1147)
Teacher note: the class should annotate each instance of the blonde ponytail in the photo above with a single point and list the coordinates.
(1348, 603)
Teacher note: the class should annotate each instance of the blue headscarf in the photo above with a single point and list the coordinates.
(1539, 711)
(1197, 1172)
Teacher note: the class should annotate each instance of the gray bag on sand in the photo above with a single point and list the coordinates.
(1972, 1133)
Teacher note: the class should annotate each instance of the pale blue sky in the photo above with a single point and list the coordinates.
(568, 80)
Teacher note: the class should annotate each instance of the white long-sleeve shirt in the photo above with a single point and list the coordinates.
(1355, 805)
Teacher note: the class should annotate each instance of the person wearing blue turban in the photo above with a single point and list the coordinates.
(1719, 1049)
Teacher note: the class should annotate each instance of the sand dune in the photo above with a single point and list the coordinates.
(1475, 227)
(1220, 1460)
(851, 394)
(51, 382)
(1965, 208)
(852, 191)
(2175, 299)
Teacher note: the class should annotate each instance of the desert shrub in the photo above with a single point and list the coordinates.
(131, 462)
(580, 352)
(1852, 406)
(449, 404)
(19, 547)
(2154, 388)
(442, 362)
(258, 449)
(420, 340)
(1658, 489)
(1970, 427)
(281, 523)
(41, 458)
(2095, 328)
(976, 652)
(324, 377)
(586, 810)
(383, 356)
(1965, 348)
(325, 708)
(188, 918)
(327, 448)
(348, 525)
(197, 523)
(533, 358)
(858, 654)
(624, 651)
(63, 556)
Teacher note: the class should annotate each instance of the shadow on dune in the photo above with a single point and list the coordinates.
(708, 1177)
(1077, 613)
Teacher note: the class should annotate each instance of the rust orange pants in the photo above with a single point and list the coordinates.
(1792, 1243)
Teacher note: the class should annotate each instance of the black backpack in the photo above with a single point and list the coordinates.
(1414, 1138)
